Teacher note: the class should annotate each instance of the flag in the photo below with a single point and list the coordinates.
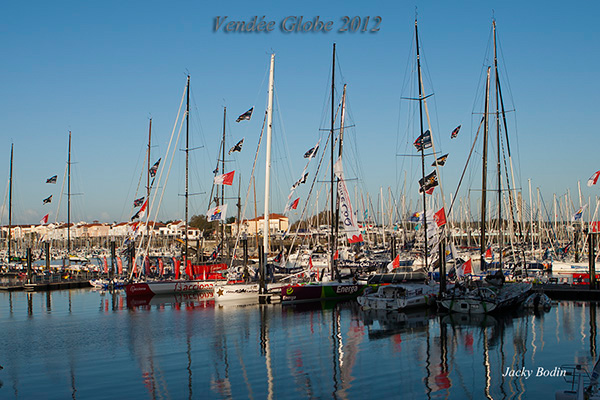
(47, 200)
(488, 253)
(237, 147)
(455, 132)
(593, 179)
(440, 217)
(44, 219)
(394, 264)
(576, 216)
(299, 181)
(154, 168)
(595, 226)
(467, 268)
(292, 206)
(336, 255)
(225, 179)
(311, 153)
(138, 202)
(423, 141)
(440, 161)
(245, 116)
(415, 217)
(428, 183)
(141, 212)
(52, 179)
(217, 213)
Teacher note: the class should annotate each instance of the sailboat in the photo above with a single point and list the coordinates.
(151, 288)
(335, 288)
(494, 294)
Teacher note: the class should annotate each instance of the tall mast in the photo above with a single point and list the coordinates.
(341, 144)
(268, 169)
(333, 223)
(187, 156)
(223, 171)
(484, 172)
(500, 234)
(10, 181)
(422, 145)
(69, 199)
(148, 170)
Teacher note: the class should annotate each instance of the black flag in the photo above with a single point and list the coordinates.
(245, 116)
(47, 200)
(237, 147)
(51, 179)
(440, 161)
(428, 183)
(154, 168)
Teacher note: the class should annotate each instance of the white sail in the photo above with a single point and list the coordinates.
(347, 216)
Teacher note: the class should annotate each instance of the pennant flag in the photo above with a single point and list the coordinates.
(292, 206)
(217, 213)
(311, 153)
(423, 141)
(576, 216)
(488, 253)
(440, 161)
(593, 179)
(141, 212)
(428, 183)
(225, 179)
(154, 168)
(47, 200)
(394, 264)
(53, 179)
(467, 268)
(455, 132)
(44, 219)
(138, 202)
(440, 217)
(237, 147)
(245, 116)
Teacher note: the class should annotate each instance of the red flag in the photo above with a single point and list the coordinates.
(593, 179)
(336, 255)
(310, 264)
(225, 179)
(440, 217)
(44, 219)
(295, 204)
(488, 253)
(467, 267)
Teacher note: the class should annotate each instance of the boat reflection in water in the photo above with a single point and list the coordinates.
(185, 347)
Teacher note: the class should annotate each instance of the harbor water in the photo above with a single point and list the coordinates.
(84, 344)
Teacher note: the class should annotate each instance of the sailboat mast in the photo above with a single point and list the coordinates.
(69, 199)
(223, 171)
(341, 144)
(187, 157)
(10, 182)
(500, 234)
(422, 146)
(148, 170)
(333, 232)
(268, 170)
(482, 240)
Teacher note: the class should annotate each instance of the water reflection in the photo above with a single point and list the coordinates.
(183, 346)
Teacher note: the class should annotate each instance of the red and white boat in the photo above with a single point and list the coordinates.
(168, 287)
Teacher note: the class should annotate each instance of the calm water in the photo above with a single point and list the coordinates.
(82, 344)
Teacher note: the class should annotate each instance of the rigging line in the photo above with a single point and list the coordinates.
(62, 187)
(464, 170)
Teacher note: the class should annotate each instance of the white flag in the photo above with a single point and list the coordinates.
(217, 213)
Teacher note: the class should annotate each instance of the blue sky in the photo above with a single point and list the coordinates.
(102, 69)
